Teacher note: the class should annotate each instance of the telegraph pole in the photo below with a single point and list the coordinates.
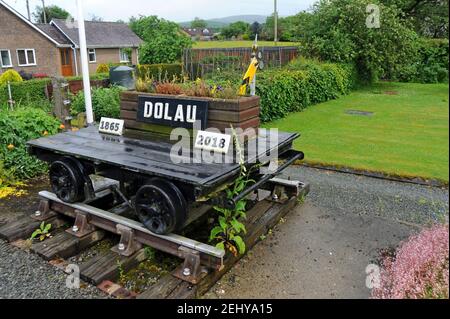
(43, 11)
(275, 20)
(28, 10)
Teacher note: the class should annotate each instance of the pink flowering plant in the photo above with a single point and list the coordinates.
(419, 268)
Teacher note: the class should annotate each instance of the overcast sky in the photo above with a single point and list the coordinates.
(175, 10)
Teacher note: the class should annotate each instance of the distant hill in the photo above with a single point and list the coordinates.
(222, 22)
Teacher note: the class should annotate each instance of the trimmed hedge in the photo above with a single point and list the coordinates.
(300, 84)
(160, 71)
(31, 91)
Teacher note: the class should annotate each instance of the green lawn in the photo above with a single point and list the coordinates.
(237, 44)
(407, 135)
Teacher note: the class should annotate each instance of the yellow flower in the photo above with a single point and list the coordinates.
(11, 147)
(45, 133)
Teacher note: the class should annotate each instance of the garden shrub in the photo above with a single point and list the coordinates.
(430, 65)
(10, 76)
(300, 84)
(105, 102)
(160, 71)
(32, 91)
(102, 68)
(16, 128)
(419, 268)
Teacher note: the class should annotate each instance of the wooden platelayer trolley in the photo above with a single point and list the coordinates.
(137, 186)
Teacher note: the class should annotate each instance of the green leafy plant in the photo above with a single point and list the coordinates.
(16, 128)
(105, 102)
(43, 231)
(228, 233)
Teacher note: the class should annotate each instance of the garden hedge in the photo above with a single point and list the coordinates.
(25, 92)
(300, 84)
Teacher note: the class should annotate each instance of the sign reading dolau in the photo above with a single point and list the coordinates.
(172, 112)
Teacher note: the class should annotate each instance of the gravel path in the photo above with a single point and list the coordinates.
(320, 251)
(26, 275)
(323, 247)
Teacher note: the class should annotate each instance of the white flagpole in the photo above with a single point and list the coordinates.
(84, 64)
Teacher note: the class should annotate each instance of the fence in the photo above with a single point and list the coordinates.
(203, 62)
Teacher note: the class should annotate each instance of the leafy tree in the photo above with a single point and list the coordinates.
(255, 29)
(429, 17)
(199, 23)
(235, 29)
(163, 40)
(337, 31)
(51, 12)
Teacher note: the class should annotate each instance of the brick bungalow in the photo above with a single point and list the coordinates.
(53, 49)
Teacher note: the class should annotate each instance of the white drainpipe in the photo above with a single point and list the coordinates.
(74, 49)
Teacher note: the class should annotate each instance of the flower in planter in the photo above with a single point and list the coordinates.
(11, 147)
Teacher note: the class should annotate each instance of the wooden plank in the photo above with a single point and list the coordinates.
(108, 266)
(233, 116)
(251, 123)
(24, 227)
(161, 289)
(65, 245)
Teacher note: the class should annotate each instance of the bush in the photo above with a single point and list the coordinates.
(430, 64)
(16, 128)
(102, 68)
(419, 268)
(10, 76)
(32, 91)
(300, 84)
(105, 102)
(160, 72)
(336, 31)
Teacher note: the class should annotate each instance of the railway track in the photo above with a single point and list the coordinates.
(77, 227)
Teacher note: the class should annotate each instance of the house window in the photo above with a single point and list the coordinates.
(92, 56)
(125, 55)
(5, 59)
(26, 57)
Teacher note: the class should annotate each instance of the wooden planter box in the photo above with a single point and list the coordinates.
(240, 113)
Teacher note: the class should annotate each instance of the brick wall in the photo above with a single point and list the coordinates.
(105, 56)
(16, 34)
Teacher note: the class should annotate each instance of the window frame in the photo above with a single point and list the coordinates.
(26, 57)
(130, 58)
(89, 55)
(10, 59)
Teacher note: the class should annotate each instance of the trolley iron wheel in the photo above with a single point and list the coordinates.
(67, 180)
(161, 206)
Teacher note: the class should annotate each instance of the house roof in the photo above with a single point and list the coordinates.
(54, 33)
(99, 34)
(33, 26)
(198, 31)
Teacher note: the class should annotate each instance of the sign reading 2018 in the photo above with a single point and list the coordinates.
(172, 112)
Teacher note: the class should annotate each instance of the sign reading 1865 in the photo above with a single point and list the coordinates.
(172, 112)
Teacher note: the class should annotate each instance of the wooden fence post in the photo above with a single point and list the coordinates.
(61, 101)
